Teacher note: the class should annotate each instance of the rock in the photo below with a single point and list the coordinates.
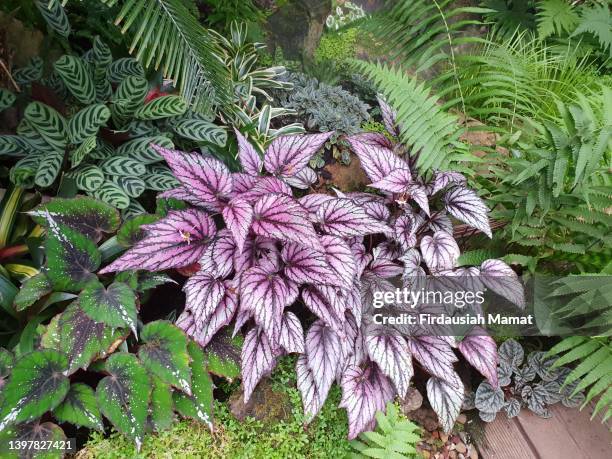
(462, 418)
(264, 404)
(452, 455)
(461, 448)
(350, 178)
(473, 453)
(443, 437)
(426, 417)
(412, 401)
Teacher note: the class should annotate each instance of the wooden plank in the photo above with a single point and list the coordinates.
(504, 439)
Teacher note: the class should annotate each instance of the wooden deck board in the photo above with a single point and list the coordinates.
(505, 440)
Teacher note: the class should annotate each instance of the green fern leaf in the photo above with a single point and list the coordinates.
(555, 17)
(598, 21)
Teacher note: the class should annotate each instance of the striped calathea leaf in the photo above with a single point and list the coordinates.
(266, 251)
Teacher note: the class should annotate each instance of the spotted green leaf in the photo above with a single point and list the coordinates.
(37, 385)
(115, 306)
(162, 405)
(78, 155)
(132, 186)
(29, 73)
(47, 123)
(80, 408)
(162, 107)
(223, 355)
(123, 395)
(202, 131)
(122, 165)
(131, 232)
(6, 363)
(74, 73)
(87, 122)
(32, 433)
(198, 405)
(141, 150)
(32, 290)
(54, 15)
(164, 354)
(112, 194)
(123, 68)
(6, 99)
(49, 168)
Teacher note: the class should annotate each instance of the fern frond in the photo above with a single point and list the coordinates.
(555, 17)
(598, 21)
(507, 18)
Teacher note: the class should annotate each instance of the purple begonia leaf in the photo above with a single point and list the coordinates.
(312, 395)
(373, 138)
(254, 249)
(336, 297)
(320, 306)
(266, 295)
(364, 392)
(264, 186)
(312, 202)
(418, 194)
(303, 179)
(238, 215)
(249, 158)
(412, 261)
(389, 250)
(434, 354)
(406, 227)
(242, 317)
(465, 205)
(304, 265)
(481, 351)
(203, 293)
(258, 358)
(360, 198)
(282, 217)
(353, 302)
(389, 116)
(439, 221)
(223, 315)
(243, 182)
(288, 155)
(440, 251)
(446, 399)
(370, 284)
(362, 258)
(182, 194)
(377, 210)
(341, 217)
(443, 179)
(386, 268)
(208, 179)
(175, 241)
(324, 353)
(218, 258)
(340, 259)
(291, 333)
(397, 181)
(377, 162)
(392, 355)
(502, 279)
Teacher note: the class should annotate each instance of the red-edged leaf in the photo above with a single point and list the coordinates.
(389, 116)
(502, 279)
(377, 162)
(203, 294)
(392, 355)
(288, 155)
(373, 138)
(396, 181)
(238, 215)
(243, 182)
(282, 217)
(321, 306)
(267, 295)
(324, 353)
(249, 158)
(342, 217)
(340, 259)
(303, 179)
(218, 258)
(446, 399)
(258, 358)
(443, 179)
(434, 354)
(386, 268)
(312, 394)
(406, 227)
(466, 205)
(291, 333)
(208, 179)
(440, 251)
(304, 265)
(175, 241)
(481, 351)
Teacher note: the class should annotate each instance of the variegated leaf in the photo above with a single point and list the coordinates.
(341, 217)
(465, 205)
(440, 251)
(288, 155)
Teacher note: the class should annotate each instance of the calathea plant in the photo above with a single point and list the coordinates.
(95, 358)
(534, 384)
(262, 253)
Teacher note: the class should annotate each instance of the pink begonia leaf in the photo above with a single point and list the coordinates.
(222, 316)
(419, 195)
(386, 268)
(288, 155)
(258, 358)
(242, 317)
(465, 205)
(377, 162)
(254, 249)
(373, 138)
(481, 351)
(203, 294)
(392, 355)
(291, 333)
(181, 193)
(264, 186)
(446, 399)
(281, 217)
(304, 265)
(266, 295)
(303, 179)
(311, 391)
(443, 179)
(377, 210)
(389, 116)
(434, 354)
(439, 221)
(238, 215)
(249, 158)
(324, 353)
(312, 202)
(207, 179)
(406, 227)
(340, 259)
(243, 182)
(502, 279)
(218, 258)
(175, 241)
(341, 217)
(321, 306)
(440, 251)
(362, 258)
(397, 181)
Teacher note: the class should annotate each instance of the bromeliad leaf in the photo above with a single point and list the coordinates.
(114, 306)
(465, 205)
(258, 359)
(175, 241)
(37, 384)
(501, 278)
(80, 408)
(342, 217)
(440, 251)
(446, 398)
(164, 354)
(481, 351)
(288, 155)
(392, 355)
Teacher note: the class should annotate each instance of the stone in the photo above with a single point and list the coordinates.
(444, 437)
(412, 401)
(461, 448)
(473, 453)
(462, 418)
(264, 405)
(426, 417)
(452, 455)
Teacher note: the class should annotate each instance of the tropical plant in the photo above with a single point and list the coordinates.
(220, 14)
(93, 325)
(344, 15)
(535, 384)
(396, 437)
(321, 249)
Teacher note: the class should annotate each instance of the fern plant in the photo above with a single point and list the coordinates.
(395, 437)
